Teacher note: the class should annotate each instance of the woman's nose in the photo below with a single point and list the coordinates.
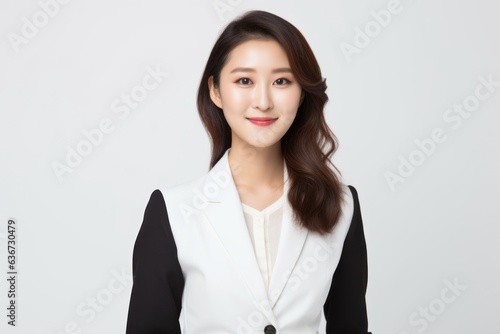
(262, 99)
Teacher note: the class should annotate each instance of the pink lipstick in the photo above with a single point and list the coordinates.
(262, 121)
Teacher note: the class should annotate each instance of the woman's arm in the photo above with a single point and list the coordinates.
(345, 306)
(158, 283)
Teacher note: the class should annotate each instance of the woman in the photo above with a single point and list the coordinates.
(270, 237)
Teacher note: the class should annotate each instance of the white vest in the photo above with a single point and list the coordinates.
(224, 292)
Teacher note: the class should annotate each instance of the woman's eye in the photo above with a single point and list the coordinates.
(244, 81)
(282, 81)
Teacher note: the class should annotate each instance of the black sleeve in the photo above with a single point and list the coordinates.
(345, 306)
(158, 283)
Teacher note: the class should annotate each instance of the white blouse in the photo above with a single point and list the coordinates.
(264, 228)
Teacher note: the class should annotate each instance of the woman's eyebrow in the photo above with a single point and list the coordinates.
(249, 69)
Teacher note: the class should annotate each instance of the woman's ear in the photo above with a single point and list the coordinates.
(214, 92)
(301, 98)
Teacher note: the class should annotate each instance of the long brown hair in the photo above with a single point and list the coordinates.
(315, 193)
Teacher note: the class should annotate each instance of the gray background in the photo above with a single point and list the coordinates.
(438, 226)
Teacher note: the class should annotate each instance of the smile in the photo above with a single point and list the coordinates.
(262, 121)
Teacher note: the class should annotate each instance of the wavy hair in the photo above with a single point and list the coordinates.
(315, 192)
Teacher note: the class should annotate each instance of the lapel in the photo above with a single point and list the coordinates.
(224, 213)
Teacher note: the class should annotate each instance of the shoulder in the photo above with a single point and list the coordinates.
(349, 196)
(354, 203)
(181, 202)
(355, 233)
(182, 192)
(350, 210)
(350, 205)
(352, 197)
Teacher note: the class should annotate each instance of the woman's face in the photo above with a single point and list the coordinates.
(257, 93)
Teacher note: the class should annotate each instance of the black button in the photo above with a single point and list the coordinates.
(269, 329)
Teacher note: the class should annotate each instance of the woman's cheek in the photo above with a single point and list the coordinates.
(289, 103)
(236, 98)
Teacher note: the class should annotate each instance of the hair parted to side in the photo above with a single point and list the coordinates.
(315, 192)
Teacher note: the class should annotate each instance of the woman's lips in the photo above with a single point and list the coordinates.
(262, 121)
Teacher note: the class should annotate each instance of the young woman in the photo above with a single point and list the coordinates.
(269, 238)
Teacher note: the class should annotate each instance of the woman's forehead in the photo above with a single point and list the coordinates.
(255, 55)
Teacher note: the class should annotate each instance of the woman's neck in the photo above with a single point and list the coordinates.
(256, 167)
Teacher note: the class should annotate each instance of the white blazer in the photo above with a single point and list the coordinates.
(222, 287)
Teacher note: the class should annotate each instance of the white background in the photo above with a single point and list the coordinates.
(76, 234)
